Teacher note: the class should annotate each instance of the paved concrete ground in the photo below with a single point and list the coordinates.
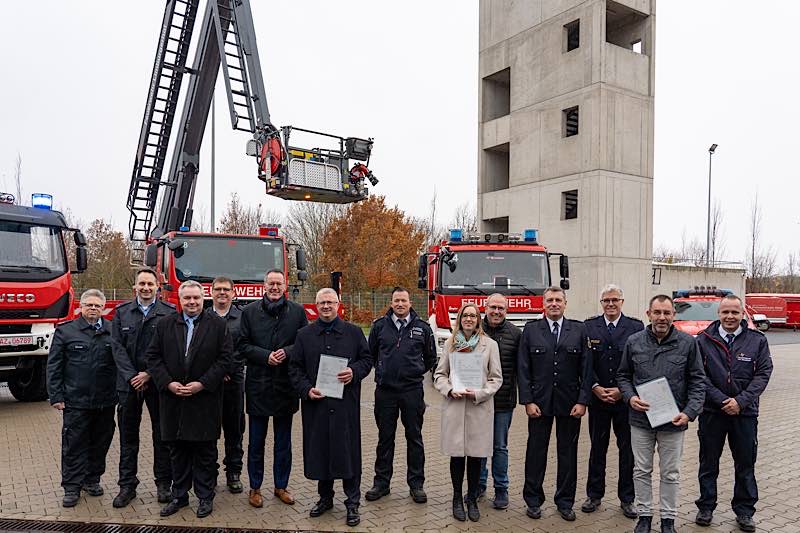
(30, 455)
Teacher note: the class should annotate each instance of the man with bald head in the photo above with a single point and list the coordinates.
(331, 426)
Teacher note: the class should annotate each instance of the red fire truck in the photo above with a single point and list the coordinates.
(35, 289)
(781, 310)
(468, 267)
(696, 308)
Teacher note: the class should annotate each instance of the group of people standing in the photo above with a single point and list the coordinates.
(188, 368)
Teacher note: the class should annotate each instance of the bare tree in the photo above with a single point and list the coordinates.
(691, 252)
(760, 261)
(243, 219)
(428, 224)
(717, 232)
(465, 217)
(307, 223)
(18, 178)
(792, 283)
(201, 220)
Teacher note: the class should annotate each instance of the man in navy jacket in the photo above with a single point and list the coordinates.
(738, 367)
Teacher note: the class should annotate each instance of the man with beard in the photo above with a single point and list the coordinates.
(133, 326)
(402, 346)
(267, 332)
(331, 426)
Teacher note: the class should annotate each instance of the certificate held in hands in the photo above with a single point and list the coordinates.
(662, 403)
(327, 382)
(466, 371)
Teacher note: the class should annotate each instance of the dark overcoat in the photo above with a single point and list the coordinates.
(331, 427)
(267, 387)
(197, 417)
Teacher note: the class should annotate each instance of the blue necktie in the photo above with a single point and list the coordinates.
(401, 324)
(98, 326)
(555, 332)
(189, 332)
(730, 337)
(611, 328)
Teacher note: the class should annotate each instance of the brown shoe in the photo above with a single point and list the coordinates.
(285, 496)
(255, 498)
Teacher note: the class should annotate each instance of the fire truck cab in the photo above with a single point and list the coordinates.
(468, 267)
(35, 289)
(696, 308)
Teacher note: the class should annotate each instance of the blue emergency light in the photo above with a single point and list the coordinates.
(183, 228)
(456, 234)
(530, 235)
(42, 200)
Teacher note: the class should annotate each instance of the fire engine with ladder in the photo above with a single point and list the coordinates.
(161, 206)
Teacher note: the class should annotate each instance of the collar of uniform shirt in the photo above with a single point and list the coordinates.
(551, 322)
(145, 308)
(396, 319)
(615, 322)
(723, 332)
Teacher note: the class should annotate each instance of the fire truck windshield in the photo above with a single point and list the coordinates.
(696, 310)
(244, 260)
(31, 252)
(497, 271)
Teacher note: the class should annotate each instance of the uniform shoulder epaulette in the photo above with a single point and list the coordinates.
(634, 319)
(592, 317)
(573, 320)
(378, 319)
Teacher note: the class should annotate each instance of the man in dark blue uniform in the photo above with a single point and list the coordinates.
(608, 334)
(554, 373)
(81, 382)
(233, 385)
(402, 346)
(738, 367)
(133, 326)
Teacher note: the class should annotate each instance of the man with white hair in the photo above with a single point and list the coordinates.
(608, 333)
(81, 382)
(331, 426)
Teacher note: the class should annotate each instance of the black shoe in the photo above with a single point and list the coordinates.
(534, 512)
(418, 495)
(473, 512)
(667, 525)
(93, 489)
(628, 510)
(500, 499)
(173, 507)
(234, 485)
(746, 523)
(353, 518)
(590, 505)
(458, 508)
(164, 493)
(205, 508)
(704, 517)
(71, 498)
(567, 514)
(321, 507)
(376, 493)
(644, 524)
(125, 496)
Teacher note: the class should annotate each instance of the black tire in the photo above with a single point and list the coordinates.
(764, 326)
(30, 385)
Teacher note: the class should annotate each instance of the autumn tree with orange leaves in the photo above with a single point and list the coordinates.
(375, 247)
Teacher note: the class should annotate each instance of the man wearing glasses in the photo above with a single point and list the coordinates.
(331, 426)
(608, 334)
(133, 326)
(233, 385)
(81, 382)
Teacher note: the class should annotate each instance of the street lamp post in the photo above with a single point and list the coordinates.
(711, 150)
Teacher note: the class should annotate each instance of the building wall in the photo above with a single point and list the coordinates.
(526, 163)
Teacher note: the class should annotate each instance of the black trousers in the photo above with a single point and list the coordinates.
(194, 463)
(567, 431)
(473, 467)
(601, 420)
(129, 419)
(410, 407)
(85, 437)
(742, 434)
(351, 486)
(233, 426)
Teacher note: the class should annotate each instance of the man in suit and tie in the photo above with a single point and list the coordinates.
(608, 333)
(554, 377)
(188, 358)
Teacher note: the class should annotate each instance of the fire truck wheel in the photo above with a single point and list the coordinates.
(764, 326)
(30, 385)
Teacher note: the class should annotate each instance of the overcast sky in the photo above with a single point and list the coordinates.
(75, 78)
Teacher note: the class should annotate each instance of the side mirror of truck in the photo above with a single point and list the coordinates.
(302, 275)
(422, 282)
(564, 284)
(81, 260)
(563, 266)
(80, 238)
(300, 259)
(151, 255)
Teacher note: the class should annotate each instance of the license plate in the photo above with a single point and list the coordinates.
(16, 341)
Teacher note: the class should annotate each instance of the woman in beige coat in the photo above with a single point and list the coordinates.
(468, 415)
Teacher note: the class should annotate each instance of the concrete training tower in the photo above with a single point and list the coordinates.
(566, 120)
